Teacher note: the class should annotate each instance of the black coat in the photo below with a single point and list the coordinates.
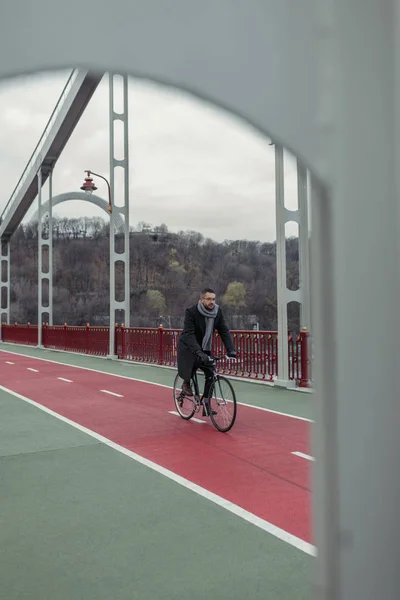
(192, 336)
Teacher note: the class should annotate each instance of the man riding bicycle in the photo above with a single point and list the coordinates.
(195, 342)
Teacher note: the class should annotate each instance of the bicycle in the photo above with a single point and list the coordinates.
(220, 404)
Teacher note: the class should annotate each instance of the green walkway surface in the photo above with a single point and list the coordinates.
(79, 520)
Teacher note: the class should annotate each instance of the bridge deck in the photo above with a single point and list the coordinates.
(112, 496)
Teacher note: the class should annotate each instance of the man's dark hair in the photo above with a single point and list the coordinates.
(207, 291)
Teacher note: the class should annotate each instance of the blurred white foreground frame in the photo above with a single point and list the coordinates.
(320, 78)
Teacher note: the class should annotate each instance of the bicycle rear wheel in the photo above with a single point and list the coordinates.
(184, 405)
(222, 401)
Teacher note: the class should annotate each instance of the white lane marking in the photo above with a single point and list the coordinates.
(112, 393)
(169, 387)
(33, 370)
(174, 412)
(276, 412)
(8, 362)
(277, 532)
(63, 379)
(302, 455)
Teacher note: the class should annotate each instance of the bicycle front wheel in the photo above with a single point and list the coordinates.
(222, 402)
(184, 405)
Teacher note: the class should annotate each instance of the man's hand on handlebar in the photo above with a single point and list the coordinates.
(229, 356)
(205, 359)
(209, 361)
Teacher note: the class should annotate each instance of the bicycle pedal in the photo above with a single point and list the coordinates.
(207, 411)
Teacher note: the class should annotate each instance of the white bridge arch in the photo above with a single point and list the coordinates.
(92, 198)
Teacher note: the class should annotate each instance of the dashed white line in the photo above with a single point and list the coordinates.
(8, 362)
(153, 383)
(34, 370)
(63, 379)
(112, 393)
(174, 412)
(302, 455)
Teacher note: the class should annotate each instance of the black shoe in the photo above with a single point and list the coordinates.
(186, 389)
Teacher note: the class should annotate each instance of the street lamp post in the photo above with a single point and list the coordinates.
(89, 187)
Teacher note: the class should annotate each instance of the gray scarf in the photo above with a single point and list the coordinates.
(210, 317)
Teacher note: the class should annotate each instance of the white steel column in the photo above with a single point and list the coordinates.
(284, 295)
(120, 207)
(5, 283)
(304, 248)
(50, 248)
(283, 367)
(45, 242)
(40, 261)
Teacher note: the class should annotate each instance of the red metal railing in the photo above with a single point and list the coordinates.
(256, 355)
(20, 334)
(87, 340)
(257, 351)
(153, 346)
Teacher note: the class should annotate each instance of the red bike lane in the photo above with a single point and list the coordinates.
(252, 466)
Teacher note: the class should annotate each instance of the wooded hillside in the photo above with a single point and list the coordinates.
(167, 272)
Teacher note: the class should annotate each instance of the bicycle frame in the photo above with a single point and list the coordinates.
(196, 382)
(197, 401)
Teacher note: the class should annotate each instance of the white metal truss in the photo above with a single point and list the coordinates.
(120, 203)
(71, 104)
(5, 281)
(284, 295)
(45, 242)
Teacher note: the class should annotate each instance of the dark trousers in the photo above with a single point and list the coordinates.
(208, 373)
